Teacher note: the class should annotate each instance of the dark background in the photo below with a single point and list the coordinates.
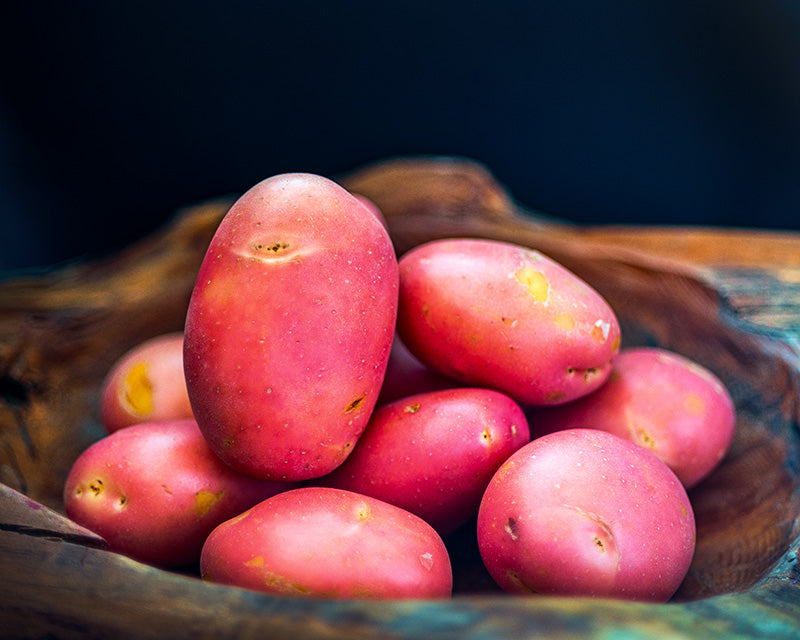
(115, 114)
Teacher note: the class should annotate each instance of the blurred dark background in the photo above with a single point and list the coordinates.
(114, 115)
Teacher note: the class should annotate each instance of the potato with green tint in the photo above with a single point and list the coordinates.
(499, 315)
(290, 326)
(320, 542)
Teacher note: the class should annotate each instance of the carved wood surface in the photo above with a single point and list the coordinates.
(726, 298)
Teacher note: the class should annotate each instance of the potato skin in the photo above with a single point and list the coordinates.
(494, 314)
(373, 209)
(583, 512)
(406, 375)
(321, 542)
(433, 453)
(289, 327)
(662, 401)
(154, 491)
(146, 384)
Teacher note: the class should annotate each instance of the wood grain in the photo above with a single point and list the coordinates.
(726, 298)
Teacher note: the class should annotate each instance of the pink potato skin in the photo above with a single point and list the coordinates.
(373, 209)
(406, 375)
(146, 384)
(583, 512)
(289, 328)
(154, 491)
(434, 453)
(662, 401)
(321, 542)
(494, 314)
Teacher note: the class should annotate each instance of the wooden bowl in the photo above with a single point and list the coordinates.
(726, 298)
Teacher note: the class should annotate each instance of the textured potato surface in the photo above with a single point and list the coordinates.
(290, 326)
(498, 315)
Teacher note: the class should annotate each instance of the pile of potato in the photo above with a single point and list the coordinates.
(331, 413)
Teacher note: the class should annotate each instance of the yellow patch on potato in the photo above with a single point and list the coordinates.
(565, 321)
(138, 390)
(694, 404)
(204, 499)
(600, 330)
(355, 404)
(535, 281)
(363, 512)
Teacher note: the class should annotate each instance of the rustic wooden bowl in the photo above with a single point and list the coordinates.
(726, 298)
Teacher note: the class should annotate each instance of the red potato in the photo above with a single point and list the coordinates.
(289, 328)
(154, 491)
(146, 384)
(583, 512)
(373, 209)
(321, 542)
(494, 314)
(662, 401)
(434, 453)
(407, 375)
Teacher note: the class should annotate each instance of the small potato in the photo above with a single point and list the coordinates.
(326, 543)
(434, 453)
(154, 491)
(498, 315)
(146, 384)
(662, 401)
(583, 512)
(289, 327)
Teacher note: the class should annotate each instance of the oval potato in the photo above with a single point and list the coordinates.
(583, 512)
(433, 453)
(155, 490)
(289, 327)
(494, 314)
(327, 543)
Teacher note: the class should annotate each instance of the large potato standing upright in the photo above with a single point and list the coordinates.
(289, 328)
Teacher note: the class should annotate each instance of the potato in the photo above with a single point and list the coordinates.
(493, 314)
(661, 400)
(146, 384)
(289, 328)
(434, 453)
(327, 543)
(373, 209)
(583, 512)
(154, 491)
(407, 375)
